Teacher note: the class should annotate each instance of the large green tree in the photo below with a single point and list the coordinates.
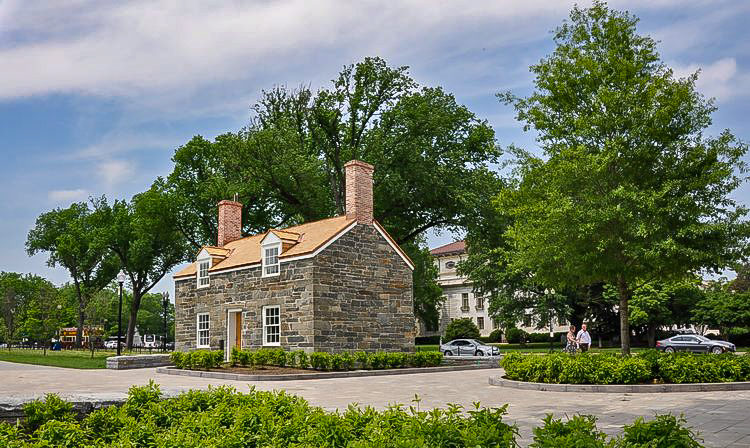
(287, 165)
(629, 189)
(657, 304)
(723, 309)
(70, 238)
(143, 233)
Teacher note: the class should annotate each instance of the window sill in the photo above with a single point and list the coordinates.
(277, 344)
(465, 310)
(202, 346)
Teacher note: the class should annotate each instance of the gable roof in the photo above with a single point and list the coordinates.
(458, 247)
(307, 237)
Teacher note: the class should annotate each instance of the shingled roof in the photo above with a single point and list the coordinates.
(458, 247)
(306, 238)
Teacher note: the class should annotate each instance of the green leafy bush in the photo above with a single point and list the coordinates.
(222, 417)
(578, 431)
(495, 336)
(664, 431)
(602, 368)
(515, 335)
(198, 359)
(464, 328)
(39, 412)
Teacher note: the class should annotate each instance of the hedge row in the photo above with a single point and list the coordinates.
(648, 367)
(222, 417)
(334, 362)
(198, 359)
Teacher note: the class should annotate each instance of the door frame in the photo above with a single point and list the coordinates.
(231, 330)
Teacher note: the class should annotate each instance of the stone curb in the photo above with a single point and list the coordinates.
(619, 388)
(318, 376)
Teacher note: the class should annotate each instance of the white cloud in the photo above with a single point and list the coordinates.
(718, 79)
(113, 172)
(67, 195)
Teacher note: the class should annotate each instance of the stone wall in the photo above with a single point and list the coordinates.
(363, 295)
(245, 289)
(138, 361)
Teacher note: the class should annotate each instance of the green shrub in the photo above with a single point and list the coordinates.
(63, 434)
(587, 368)
(515, 335)
(578, 431)
(464, 328)
(495, 336)
(39, 412)
(320, 361)
(664, 431)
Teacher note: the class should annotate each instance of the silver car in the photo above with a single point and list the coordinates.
(468, 347)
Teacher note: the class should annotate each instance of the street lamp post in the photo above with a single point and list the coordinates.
(121, 280)
(165, 302)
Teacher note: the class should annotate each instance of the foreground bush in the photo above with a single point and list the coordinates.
(664, 431)
(221, 417)
(649, 367)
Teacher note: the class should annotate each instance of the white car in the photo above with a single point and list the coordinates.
(112, 344)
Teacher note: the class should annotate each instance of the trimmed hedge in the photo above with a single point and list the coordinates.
(649, 367)
(334, 361)
(222, 417)
(198, 359)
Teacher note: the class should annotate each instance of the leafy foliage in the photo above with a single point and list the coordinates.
(630, 189)
(463, 328)
(648, 367)
(222, 417)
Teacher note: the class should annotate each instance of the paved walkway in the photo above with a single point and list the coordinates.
(723, 418)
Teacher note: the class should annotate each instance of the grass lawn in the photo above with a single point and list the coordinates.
(77, 359)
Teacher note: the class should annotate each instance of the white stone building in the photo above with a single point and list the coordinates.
(460, 300)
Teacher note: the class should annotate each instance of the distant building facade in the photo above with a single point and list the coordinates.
(460, 301)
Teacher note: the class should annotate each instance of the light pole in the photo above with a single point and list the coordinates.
(165, 302)
(120, 279)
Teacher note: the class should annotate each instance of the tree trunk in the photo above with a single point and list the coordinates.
(133, 317)
(79, 333)
(651, 335)
(622, 291)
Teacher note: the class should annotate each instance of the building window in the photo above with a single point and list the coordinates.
(271, 325)
(495, 324)
(480, 303)
(270, 261)
(527, 320)
(480, 323)
(465, 302)
(203, 279)
(450, 265)
(203, 330)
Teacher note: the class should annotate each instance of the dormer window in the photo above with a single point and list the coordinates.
(203, 279)
(271, 260)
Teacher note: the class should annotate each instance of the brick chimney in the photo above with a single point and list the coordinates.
(230, 222)
(359, 191)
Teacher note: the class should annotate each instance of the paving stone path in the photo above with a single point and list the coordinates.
(722, 418)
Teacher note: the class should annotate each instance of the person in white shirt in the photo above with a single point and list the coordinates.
(584, 339)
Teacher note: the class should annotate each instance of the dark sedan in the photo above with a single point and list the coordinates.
(694, 343)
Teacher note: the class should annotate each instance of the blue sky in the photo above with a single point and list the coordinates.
(95, 96)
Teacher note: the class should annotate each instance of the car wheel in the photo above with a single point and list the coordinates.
(448, 353)
(479, 353)
(717, 350)
(669, 350)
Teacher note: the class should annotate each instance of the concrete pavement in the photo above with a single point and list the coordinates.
(722, 418)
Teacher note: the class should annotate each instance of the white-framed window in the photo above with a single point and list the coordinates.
(480, 303)
(465, 301)
(480, 323)
(203, 279)
(203, 325)
(271, 260)
(272, 325)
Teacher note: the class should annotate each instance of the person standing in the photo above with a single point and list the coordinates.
(572, 344)
(584, 339)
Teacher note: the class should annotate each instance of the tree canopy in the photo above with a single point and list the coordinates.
(629, 189)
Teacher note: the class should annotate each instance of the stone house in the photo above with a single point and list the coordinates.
(339, 284)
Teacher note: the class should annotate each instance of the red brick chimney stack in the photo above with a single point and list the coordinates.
(359, 204)
(230, 222)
